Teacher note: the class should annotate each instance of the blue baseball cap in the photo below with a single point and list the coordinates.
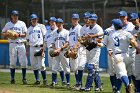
(134, 16)
(117, 23)
(52, 19)
(86, 15)
(122, 13)
(59, 20)
(45, 21)
(14, 12)
(93, 17)
(33, 16)
(75, 16)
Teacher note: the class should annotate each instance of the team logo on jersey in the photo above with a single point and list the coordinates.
(15, 29)
(59, 38)
(72, 33)
(48, 36)
(33, 31)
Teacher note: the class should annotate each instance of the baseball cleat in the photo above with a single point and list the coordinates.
(68, 86)
(44, 82)
(53, 85)
(78, 86)
(37, 83)
(24, 81)
(13, 81)
(98, 89)
(63, 83)
(85, 89)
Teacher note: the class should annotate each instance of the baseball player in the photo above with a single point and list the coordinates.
(77, 65)
(83, 32)
(111, 69)
(128, 26)
(60, 43)
(51, 60)
(120, 40)
(35, 38)
(92, 55)
(16, 46)
(135, 20)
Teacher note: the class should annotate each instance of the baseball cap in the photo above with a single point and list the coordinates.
(59, 20)
(122, 13)
(45, 21)
(117, 23)
(86, 15)
(52, 19)
(14, 12)
(134, 16)
(75, 15)
(33, 16)
(93, 17)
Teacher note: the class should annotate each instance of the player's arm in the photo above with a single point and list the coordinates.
(27, 46)
(5, 34)
(135, 44)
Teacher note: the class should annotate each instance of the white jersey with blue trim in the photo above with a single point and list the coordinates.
(83, 31)
(120, 41)
(108, 32)
(74, 33)
(129, 27)
(136, 32)
(19, 27)
(49, 37)
(35, 35)
(60, 38)
(96, 29)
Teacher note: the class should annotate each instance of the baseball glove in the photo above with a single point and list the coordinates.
(91, 45)
(84, 41)
(53, 53)
(11, 34)
(38, 53)
(71, 53)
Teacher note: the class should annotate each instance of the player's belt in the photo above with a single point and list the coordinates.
(38, 45)
(17, 42)
(119, 53)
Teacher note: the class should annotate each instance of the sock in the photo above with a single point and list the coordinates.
(112, 80)
(68, 78)
(97, 80)
(76, 77)
(80, 75)
(43, 74)
(36, 73)
(12, 70)
(125, 80)
(24, 73)
(54, 77)
(133, 79)
(130, 79)
(62, 75)
(118, 84)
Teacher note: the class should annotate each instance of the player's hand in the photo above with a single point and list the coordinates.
(58, 50)
(16, 35)
(87, 36)
(110, 52)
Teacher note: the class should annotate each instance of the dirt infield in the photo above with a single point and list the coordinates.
(6, 91)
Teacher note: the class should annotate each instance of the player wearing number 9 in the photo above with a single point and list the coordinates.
(35, 38)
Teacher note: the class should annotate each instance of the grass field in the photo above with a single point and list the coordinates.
(6, 87)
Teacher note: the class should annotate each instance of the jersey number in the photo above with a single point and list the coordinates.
(38, 35)
(73, 38)
(117, 41)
